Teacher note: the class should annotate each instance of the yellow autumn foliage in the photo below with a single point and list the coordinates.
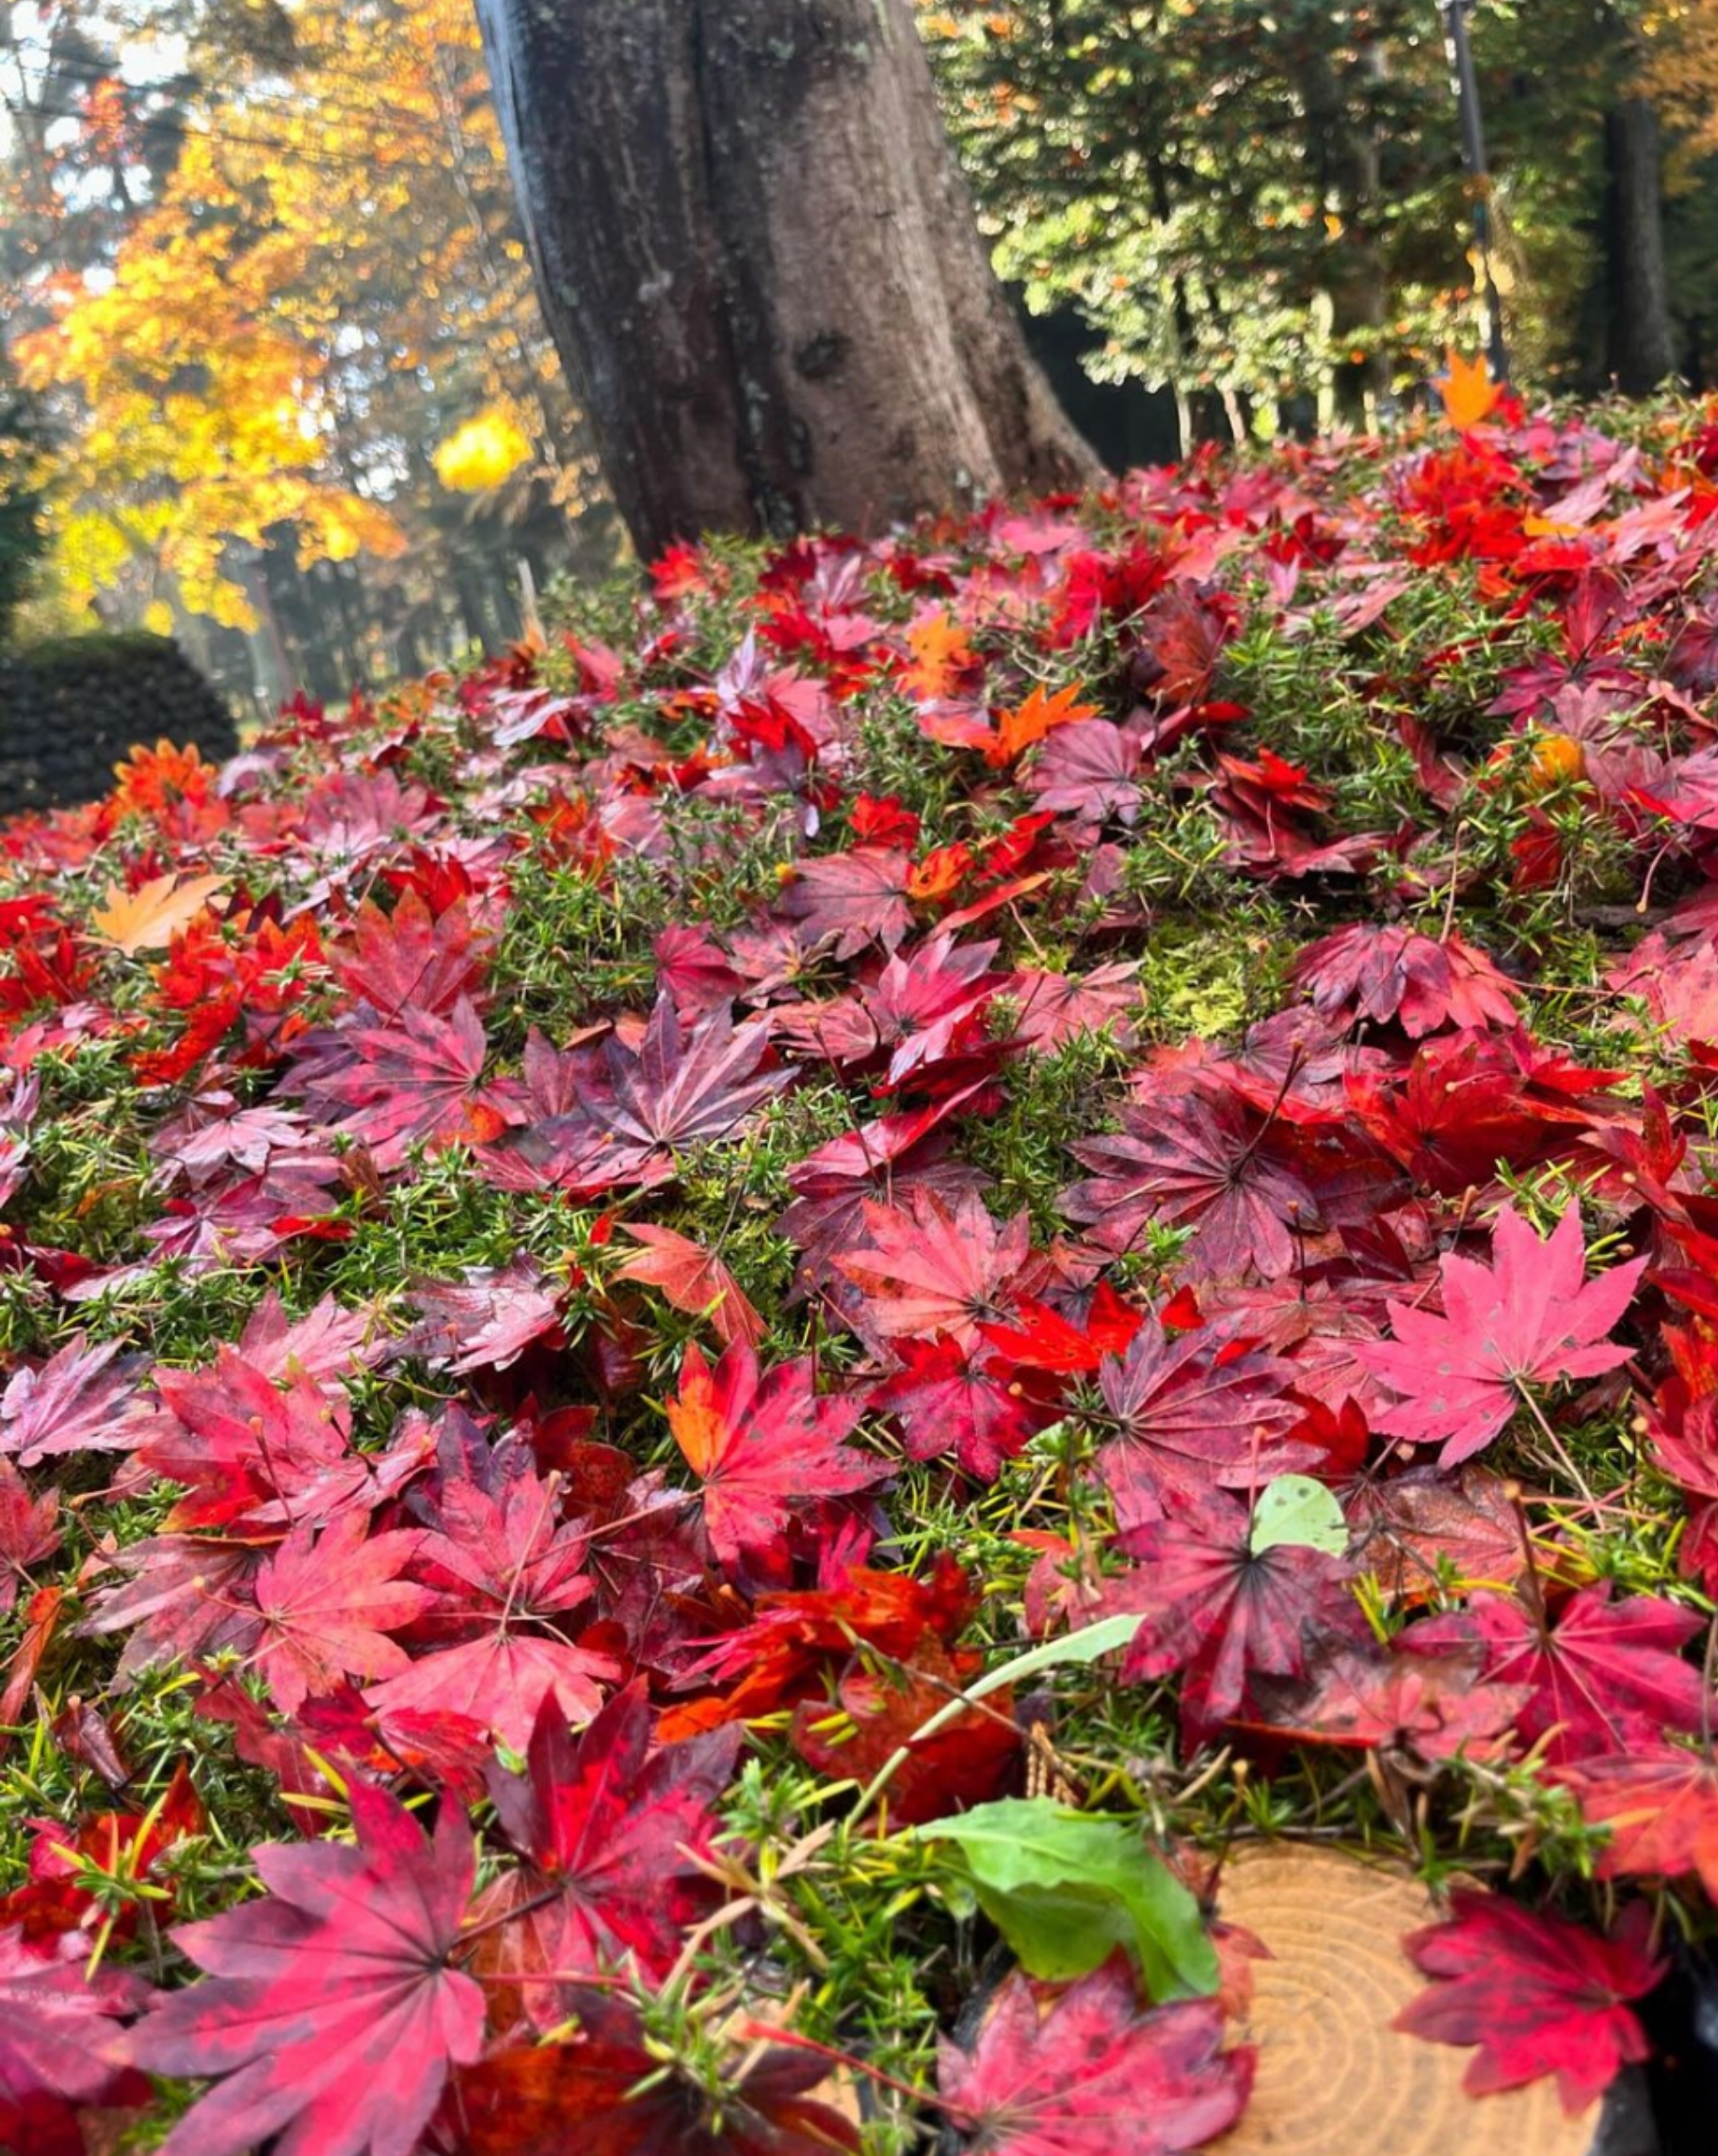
(482, 453)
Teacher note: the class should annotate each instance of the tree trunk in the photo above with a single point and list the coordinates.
(1639, 348)
(759, 265)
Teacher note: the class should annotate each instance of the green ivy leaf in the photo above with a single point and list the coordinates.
(1301, 1513)
(1066, 1890)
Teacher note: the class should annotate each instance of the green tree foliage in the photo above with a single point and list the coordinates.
(1262, 204)
(1252, 201)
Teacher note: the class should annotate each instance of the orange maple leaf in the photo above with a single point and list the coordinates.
(941, 656)
(1467, 389)
(1032, 720)
(150, 917)
(693, 1279)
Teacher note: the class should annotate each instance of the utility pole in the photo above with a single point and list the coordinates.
(1465, 86)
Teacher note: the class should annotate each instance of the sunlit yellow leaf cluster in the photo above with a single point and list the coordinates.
(483, 453)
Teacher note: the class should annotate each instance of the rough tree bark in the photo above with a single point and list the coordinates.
(1639, 347)
(759, 265)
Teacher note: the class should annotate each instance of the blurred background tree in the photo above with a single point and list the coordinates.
(23, 535)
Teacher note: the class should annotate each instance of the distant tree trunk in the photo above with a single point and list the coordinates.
(759, 265)
(1639, 348)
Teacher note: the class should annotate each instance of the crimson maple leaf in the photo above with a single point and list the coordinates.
(330, 2013)
(1526, 1317)
(486, 1321)
(1382, 973)
(684, 1086)
(886, 1161)
(1215, 1609)
(1606, 1677)
(693, 1279)
(762, 1445)
(1360, 1699)
(1193, 1408)
(29, 1530)
(405, 1084)
(82, 1399)
(414, 960)
(252, 1453)
(1094, 2076)
(1209, 1165)
(970, 1406)
(850, 899)
(930, 1268)
(1043, 1338)
(506, 1573)
(880, 1713)
(1090, 770)
(618, 1831)
(327, 1604)
(1537, 1995)
(54, 2017)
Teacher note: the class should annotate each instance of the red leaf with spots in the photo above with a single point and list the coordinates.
(1094, 2076)
(1535, 1995)
(1380, 973)
(329, 2013)
(82, 1399)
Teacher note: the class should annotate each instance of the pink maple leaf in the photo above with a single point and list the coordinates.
(1524, 1318)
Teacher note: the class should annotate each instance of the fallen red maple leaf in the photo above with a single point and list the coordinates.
(54, 2017)
(1094, 2076)
(1215, 1610)
(1607, 1676)
(762, 1445)
(949, 1402)
(693, 1279)
(1527, 1316)
(880, 1711)
(327, 1604)
(1661, 1804)
(80, 1400)
(330, 2013)
(1537, 1996)
(607, 2092)
(614, 1830)
(929, 1268)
